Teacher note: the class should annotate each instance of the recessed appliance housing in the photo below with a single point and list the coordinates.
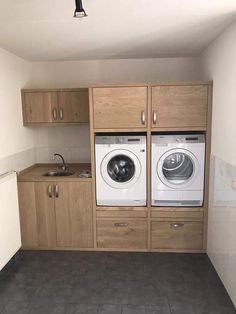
(120, 170)
(178, 169)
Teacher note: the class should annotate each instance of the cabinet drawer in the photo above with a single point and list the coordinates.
(177, 235)
(123, 234)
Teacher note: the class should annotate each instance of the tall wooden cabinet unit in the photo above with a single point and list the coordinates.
(56, 214)
(55, 106)
(176, 107)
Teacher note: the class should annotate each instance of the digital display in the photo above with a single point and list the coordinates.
(191, 138)
(133, 140)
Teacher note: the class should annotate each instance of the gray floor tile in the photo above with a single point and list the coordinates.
(109, 309)
(13, 307)
(49, 307)
(111, 296)
(83, 309)
(133, 309)
(158, 309)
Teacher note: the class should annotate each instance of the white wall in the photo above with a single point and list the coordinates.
(93, 72)
(15, 73)
(219, 64)
(74, 143)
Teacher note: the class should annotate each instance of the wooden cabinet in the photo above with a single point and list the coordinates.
(28, 218)
(56, 214)
(180, 235)
(39, 107)
(173, 107)
(122, 234)
(179, 106)
(120, 107)
(74, 217)
(73, 106)
(45, 214)
(55, 106)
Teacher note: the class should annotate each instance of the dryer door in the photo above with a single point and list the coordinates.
(120, 169)
(177, 168)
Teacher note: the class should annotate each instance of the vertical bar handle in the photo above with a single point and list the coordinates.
(143, 117)
(61, 114)
(56, 191)
(154, 117)
(54, 113)
(49, 191)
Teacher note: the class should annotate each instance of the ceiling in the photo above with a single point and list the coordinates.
(44, 30)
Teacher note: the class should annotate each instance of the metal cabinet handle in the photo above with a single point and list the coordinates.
(61, 114)
(154, 118)
(54, 113)
(121, 224)
(176, 225)
(49, 191)
(56, 191)
(143, 117)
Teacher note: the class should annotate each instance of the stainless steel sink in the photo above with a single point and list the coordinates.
(59, 173)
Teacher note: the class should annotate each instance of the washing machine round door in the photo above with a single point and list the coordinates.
(177, 168)
(120, 169)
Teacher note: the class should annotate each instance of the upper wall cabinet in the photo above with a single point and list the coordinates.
(55, 106)
(179, 106)
(120, 107)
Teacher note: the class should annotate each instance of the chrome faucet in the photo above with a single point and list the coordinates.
(64, 166)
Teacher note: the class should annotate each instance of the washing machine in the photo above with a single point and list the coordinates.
(120, 170)
(178, 169)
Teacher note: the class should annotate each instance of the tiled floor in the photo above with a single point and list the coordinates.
(112, 283)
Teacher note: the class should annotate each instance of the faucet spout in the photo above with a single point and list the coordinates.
(64, 167)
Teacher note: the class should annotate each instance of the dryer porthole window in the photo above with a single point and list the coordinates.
(178, 167)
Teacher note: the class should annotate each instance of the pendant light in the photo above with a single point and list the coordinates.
(79, 10)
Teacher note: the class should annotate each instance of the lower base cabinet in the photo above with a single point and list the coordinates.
(122, 234)
(56, 214)
(74, 216)
(186, 235)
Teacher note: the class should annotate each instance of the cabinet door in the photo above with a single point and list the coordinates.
(74, 216)
(73, 106)
(44, 201)
(120, 107)
(179, 106)
(28, 218)
(40, 107)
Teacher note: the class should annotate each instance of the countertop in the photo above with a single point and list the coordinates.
(36, 173)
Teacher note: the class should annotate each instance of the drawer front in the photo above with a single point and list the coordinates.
(190, 215)
(121, 214)
(177, 235)
(123, 234)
